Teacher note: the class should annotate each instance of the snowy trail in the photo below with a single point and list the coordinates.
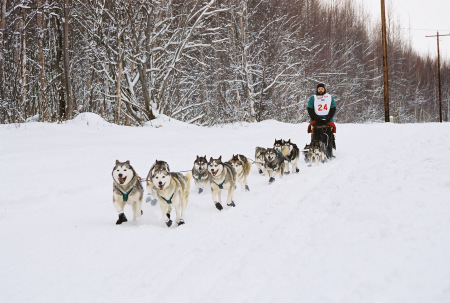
(370, 226)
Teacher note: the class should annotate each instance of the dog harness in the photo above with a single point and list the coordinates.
(220, 185)
(169, 201)
(200, 175)
(125, 195)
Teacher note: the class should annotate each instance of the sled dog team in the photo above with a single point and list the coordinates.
(172, 188)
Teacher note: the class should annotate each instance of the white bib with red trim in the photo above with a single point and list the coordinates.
(322, 104)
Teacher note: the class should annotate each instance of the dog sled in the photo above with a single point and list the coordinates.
(322, 143)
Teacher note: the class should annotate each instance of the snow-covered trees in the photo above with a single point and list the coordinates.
(203, 61)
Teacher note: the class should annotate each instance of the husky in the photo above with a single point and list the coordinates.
(259, 160)
(169, 188)
(200, 173)
(221, 176)
(316, 152)
(274, 163)
(242, 168)
(278, 145)
(305, 152)
(127, 189)
(291, 154)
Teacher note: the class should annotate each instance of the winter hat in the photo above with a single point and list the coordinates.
(321, 85)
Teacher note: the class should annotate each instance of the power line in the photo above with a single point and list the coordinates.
(424, 29)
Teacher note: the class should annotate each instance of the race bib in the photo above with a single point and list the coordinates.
(322, 104)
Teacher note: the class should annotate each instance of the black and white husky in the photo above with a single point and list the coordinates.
(200, 173)
(222, 176)
(291, 154)
(127, 189)
(170, 189)
(274, 163)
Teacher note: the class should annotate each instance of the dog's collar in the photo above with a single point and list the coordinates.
(169, 201)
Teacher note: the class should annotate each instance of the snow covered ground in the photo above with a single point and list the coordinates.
(373, 225)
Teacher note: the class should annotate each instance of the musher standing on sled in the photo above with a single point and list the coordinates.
(321, 109)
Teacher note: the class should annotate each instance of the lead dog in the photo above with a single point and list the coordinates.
(127, 189)
(170, 189)
(242, 168)
(221, 176)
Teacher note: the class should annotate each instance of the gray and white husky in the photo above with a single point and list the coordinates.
(169, 188)
(259, 159)
(242, 167)
(291, 154)
(200, 173)
(316, 152)
(221, 176)
(127, 189)
(274, 163)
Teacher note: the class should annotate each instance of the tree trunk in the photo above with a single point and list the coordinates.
(119, 77)
(146, 95)
(59, 69)
(42, 107)
(245, 62)
(2, 30)
(68, 84)
(23, 66)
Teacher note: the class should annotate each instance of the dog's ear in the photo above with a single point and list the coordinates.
(117, 162)
(210, 159)
(205, 157)
(220, 158)
(127, 162)
(197, 157)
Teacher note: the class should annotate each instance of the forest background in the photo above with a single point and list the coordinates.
(207, 62)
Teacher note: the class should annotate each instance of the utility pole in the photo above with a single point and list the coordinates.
(439, 74)
(385, 63)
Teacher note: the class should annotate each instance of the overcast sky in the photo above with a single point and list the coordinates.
(419, 18)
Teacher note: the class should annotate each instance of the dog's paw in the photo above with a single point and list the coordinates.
(168, 215)
(247, 188)
(200, 190)
(297, 170)
(218, 206)
(181, 222)
(142, 212)
(232, 204)
(121, 219)
(169, 223)
(260, 172)
(287, 172)
(271, 180)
